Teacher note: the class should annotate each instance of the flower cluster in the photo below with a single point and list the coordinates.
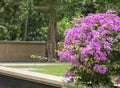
(88, 44)
(69, 76)
(118, 80)
(99, 69)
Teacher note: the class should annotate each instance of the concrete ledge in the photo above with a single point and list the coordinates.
(32, 76)
(31, 63)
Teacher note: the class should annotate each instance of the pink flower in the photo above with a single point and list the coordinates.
(100, 69)
(118, 80)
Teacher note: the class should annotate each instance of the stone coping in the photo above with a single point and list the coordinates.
(31, 63)
(32, 76)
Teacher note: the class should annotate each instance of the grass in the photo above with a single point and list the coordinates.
(57, 70)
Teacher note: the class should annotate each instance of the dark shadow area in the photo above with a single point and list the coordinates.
(10, 82)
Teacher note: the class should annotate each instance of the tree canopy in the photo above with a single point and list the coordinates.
(34, 20)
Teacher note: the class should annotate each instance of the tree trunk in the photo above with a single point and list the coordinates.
(52, 39)
(24, 30)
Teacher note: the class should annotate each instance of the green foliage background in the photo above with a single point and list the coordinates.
(14, 12)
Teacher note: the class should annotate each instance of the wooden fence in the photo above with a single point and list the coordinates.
(21, 50)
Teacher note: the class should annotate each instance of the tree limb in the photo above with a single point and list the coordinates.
(41, 8)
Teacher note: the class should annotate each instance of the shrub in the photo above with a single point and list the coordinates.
(92, 47)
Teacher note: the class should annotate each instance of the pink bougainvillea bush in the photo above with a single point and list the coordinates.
(92, 47)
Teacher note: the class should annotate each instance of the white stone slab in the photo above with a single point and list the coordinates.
(32, 76)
